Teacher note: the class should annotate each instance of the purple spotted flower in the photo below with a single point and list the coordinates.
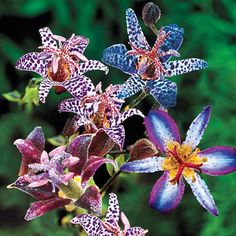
(61, 178)
(182, 161)
(93, 226)
(148, 66)
(100, 111)
(59, 63)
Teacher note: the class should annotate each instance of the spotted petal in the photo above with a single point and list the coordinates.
(135, 33)
(76, 44)
(117, 135)
(44, 89)
(173, 41)
(197, 128)
(164, 91)
(78, 85)
(113, 211)
(131, 86)
(165, 196)
(117, 57)
(202, 194)
(180, 67)
(136, 231)
(72, 105)
(147, 165)
(41, 207)
(47, 39)
(221, 160)
(92, 65)
(161, 128)
(91, 224)
(35, 62)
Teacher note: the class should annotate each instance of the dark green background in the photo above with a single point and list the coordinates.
(210, 33)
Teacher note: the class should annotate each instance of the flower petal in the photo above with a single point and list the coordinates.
(101, 144)
(44, 89)
(91, 200)
(37, 138)
(72, 105)
(78, 85)
(91, 224)
(91, 167)
(41, 207)
(221, 160)
(197, 128)
(40, 193)
(161, 128)
(47, 39)
(113, 211)
(92, 65)
(33, 62)
(117, 57)
(164, 91)
(131, 86)
(135, 33)
(117, 135)
(173, 41)
(202, 194)
(180, 67)
(147, 165)
(165, 196)
(134, 231)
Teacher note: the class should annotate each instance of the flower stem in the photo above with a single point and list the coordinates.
(154, 29)
(136, 101)
(117, 152)
(109, 182)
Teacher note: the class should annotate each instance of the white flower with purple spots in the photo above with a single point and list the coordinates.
(100, 111)
(93, 226)
(149, 66)
(59, 63)
(181, 161)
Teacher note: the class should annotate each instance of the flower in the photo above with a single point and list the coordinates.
(149, 66)
(100, 111)
(151, 13)
(93, 226)
(59, 63)
(64, 176)
(182, 161)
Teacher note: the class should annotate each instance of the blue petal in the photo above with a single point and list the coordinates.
(202, 194)
(173, 41)
(147, 165)
(164, 91)
(116, 56)
(165, 196)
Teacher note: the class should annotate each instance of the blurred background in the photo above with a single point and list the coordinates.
(210, 33)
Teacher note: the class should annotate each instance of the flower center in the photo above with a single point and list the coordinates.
(182, 160)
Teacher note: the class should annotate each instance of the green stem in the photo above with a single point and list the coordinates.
(109, 182)
(154, 29)
(136, 101)
(117, 152)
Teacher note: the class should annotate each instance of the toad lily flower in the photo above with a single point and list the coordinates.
(100, 111)
(61, 178)
(182, 161)
(149, 66)
(59, 63)
(93, 226)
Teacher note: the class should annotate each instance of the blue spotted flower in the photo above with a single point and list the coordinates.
(148, 66)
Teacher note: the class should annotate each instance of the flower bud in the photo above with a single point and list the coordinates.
(151, 13)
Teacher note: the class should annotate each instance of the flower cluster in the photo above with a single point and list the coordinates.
(64, 176)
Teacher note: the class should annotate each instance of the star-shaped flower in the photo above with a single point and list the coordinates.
(61, 178)
(60, 64)
(148, 66)
(93, 226)
(182, 160)
(100, 111)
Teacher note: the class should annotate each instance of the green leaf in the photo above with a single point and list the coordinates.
(110, 168)
(13, 96)
(120, 161)
(57, 140)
